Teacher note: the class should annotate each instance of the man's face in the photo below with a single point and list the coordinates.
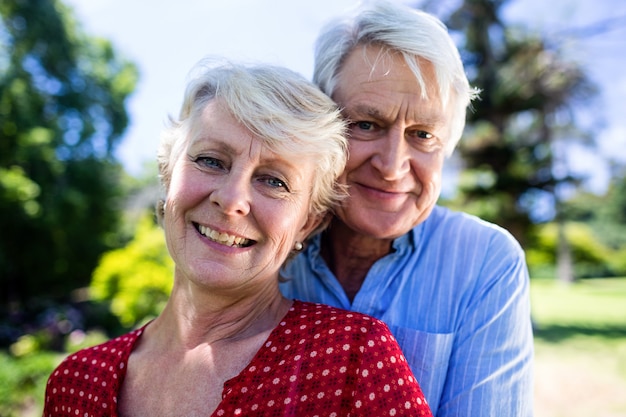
(397, 143)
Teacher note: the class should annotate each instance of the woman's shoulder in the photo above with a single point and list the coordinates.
(335, 317)
(104, 358)
(87, 381)
(346, 333)
(324, 310)
(112, 348)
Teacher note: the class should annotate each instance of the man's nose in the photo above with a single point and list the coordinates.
(392, 159)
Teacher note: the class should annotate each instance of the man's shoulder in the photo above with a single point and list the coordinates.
(446, 215)
(462, 236)
(448, 222)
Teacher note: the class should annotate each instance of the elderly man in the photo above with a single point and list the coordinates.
(453, 289)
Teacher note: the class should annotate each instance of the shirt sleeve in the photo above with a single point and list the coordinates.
(490, 371)
(384, 384)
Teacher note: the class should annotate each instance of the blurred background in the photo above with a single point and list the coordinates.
(85, 86)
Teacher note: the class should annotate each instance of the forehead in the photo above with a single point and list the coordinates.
(215, 122)
(216, 128)
(374, 77)
(373, 62)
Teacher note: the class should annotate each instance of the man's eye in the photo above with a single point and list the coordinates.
(363, 130)
(424, 140)
(422, 134)
(364, 125)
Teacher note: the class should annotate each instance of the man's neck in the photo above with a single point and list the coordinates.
(350, 255)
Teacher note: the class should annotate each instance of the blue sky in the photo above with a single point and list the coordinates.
(165, 38)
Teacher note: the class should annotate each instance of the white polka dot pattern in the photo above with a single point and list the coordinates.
(319, 361)
(86, 383)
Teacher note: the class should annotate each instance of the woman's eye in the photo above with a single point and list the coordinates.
(275, 182)
(207, 161)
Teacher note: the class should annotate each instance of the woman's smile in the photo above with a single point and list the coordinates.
(223, 238)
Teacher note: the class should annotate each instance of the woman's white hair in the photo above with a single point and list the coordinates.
(414, 34)
(288, 113)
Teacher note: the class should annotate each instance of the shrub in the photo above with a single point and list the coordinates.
(23, 381)
(136, 279)
(590, 257)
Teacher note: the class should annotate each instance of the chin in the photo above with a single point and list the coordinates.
(380, 229)
(390, 235)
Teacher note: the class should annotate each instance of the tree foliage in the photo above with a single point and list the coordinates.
(524, 118)
(62, 113)
(136, 279)
(591, 258)
(606, 217)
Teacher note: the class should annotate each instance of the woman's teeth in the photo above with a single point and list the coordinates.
(223, 238)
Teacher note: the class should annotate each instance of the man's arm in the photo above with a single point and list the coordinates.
(491, 366)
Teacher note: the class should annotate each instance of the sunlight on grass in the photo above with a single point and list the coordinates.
(595, 302)
(580, 348)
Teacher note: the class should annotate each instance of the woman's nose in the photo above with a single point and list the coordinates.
(232, 195)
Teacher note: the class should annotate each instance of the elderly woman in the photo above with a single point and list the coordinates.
(249, 171)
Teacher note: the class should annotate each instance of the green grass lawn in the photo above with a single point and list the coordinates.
(580, 348)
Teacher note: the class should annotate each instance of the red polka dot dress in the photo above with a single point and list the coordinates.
(319, 361)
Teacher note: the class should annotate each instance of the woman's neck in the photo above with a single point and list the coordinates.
(192, 318)
(199, 342)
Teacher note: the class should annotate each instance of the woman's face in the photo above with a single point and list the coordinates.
(234, 208)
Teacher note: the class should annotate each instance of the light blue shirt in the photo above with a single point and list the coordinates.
(455, 294)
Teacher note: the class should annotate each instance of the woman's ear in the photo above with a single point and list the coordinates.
(160, 211)
(313, 225)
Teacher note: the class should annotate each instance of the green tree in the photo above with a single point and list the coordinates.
(513, 150)
(62, 113)
(609, 215)
(605, 215)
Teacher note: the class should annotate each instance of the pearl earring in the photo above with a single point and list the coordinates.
(298, 246)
